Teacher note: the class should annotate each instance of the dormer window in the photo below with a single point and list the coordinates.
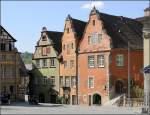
(67, 30)
(93, 22)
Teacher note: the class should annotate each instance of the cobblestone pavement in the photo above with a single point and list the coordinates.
(25, 108)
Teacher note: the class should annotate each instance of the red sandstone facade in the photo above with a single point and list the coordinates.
(103, 60)
(99, 74)
(119, 75)
(68, 57)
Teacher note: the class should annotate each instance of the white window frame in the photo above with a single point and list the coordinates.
(90, 85)
(71, 64)
(53, 79)
(73, 81)
(45, 79)
(101, 60)
(91, 63)
(120, 60)
(52, 62)
(37, 63)
(44, 62)
(65, 64)
(94, 38)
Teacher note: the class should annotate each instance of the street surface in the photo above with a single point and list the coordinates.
(25, 108)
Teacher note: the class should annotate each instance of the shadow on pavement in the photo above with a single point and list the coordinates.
(20, 104)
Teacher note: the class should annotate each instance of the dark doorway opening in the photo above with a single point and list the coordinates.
(89, 100)
(41, 98)
(74, 100)
(96, 99)
(53, 98)
(119, 87)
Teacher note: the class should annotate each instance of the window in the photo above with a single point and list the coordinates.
(93, 22)
(89, 40)
(45, 80)
(10, 47)
(38, 63)
(67, 81)
(65, 64)
(64, 47)
(43, 38)
(68, 48)
(120, 60)
(61, 81)
(67, 30)
(44, 51)
(3, 46)
(73, 81)
(100, 60)
(91, 82)
(94, 38)
(44, 62)
(52, 62)
(48, 50)
(71, 63)
(71, 45)
(99, 38)
(91, 61)
(52, 80)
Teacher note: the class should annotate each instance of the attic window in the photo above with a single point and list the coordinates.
(43, 38)
(67, 30)
(93, 22)
(64, 47)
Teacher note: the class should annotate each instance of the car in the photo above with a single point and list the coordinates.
(4, 99)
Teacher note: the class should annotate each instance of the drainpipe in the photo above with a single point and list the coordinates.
(129, 95)
(77, 82)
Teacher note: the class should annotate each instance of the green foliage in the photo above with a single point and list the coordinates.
(138, 92)
(27, 57)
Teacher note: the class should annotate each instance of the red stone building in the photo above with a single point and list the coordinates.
(103, 58)
(73, 31)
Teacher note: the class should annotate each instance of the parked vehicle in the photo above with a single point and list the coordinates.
(4, 99)
(33, 101)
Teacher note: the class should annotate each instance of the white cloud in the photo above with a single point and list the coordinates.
(97, 4)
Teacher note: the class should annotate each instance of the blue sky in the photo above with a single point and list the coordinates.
(25, 19)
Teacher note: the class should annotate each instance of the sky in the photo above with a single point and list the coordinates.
(24, 19)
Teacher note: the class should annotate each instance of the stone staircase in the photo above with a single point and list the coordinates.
(114, 100)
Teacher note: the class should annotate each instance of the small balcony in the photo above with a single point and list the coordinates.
(66, 86)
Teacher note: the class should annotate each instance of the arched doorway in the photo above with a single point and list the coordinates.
(41, 98)
(96, 99)
(119, 87)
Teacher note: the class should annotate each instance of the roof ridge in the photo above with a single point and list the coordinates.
(78, 20)
(55, 31)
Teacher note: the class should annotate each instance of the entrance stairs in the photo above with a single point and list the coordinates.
(113, 101)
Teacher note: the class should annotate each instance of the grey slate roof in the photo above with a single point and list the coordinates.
(56, 39)
(122, 29)
(79, 27)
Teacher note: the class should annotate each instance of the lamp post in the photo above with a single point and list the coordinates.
(146, 37)
(129, 91)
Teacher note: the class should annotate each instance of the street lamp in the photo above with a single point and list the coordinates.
(129, 95)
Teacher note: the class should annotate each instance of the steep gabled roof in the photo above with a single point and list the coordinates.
(55, 37)
(79, 27)
(2, 28)
(121, 30)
